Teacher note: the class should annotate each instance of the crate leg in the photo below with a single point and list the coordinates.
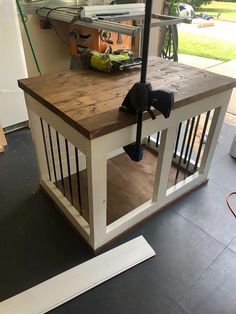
(97, 191)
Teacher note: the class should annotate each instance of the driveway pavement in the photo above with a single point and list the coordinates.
(219, 67)
(228, 69)
(198, 62)
(225, 31)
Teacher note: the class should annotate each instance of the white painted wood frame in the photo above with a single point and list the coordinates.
(75, 281)
(97, 233)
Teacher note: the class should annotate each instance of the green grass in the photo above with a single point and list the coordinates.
(204, 46)
(227, 10)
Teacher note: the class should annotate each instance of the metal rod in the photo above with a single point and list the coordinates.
(139, 129)
(146, 37)
(52, 153)
(95, 24)
(174, 32)
(193, 141)
(78, 177)
(157, 139)
(189, 139)
(68, 168)
(45, 148)
(60, 162)
(177, 139)
(169, 43)
(202, 140)
(182, 150)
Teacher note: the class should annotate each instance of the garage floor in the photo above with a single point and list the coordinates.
(194, 270)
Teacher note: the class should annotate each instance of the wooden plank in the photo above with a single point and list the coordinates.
(164, 161)
(97, 194)
(138, 184)
(213, 135)
(88, 100)
(3, 141)
(70, 284)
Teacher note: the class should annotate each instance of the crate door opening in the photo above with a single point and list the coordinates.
(129, 183)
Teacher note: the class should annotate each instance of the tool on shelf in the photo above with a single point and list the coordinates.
(117, 22)
(109, 61)
(142, 97)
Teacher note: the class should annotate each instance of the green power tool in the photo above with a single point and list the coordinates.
(109, 61)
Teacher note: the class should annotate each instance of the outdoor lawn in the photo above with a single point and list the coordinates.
(206, 42)
(227, 10)
(205, 46)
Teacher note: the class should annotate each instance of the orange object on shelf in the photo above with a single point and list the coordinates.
(86, 37)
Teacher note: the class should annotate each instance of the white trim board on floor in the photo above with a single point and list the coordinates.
(75, 281)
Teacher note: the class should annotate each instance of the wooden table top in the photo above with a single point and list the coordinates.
(88, 100)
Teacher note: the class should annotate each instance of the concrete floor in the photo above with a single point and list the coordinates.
(194, 270)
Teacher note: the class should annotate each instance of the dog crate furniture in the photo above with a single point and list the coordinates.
(78, 133)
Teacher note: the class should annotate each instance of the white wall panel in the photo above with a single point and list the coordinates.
(12, 66)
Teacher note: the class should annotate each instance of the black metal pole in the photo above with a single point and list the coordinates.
(189, 139)
(139, 129)
(157, 139)
(193, 141)
(182, 150)
(202, 140)
(52, 153)
(146, 38)
(45, 148)
(177, 140)
(60, 162)
(69, 172)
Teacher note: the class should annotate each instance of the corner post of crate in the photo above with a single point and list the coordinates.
(37, 138)
(97, 193)
(214, 132)
(164, 161)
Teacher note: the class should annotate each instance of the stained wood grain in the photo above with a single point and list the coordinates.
(88, 100)
(124, 193)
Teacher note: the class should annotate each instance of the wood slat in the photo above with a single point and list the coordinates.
(89, 100)
(70, 284)
(3, 141)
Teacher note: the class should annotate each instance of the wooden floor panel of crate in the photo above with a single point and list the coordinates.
(129, 185)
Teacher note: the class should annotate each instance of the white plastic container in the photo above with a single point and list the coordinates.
(233, 147)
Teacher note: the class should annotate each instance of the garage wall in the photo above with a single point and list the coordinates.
(54, 55)
(12, 66)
